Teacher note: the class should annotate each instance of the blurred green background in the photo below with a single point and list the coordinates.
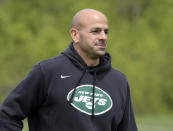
(140, 42)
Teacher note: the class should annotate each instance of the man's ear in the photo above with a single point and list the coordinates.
(74, 35)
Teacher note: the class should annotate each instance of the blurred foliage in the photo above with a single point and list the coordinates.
(140, 42)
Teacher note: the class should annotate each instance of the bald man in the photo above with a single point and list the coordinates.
(77, 90)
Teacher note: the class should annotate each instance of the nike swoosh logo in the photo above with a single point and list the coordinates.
(62, 76)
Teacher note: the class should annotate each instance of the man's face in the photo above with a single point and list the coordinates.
(93, 36)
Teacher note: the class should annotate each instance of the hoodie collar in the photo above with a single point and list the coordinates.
(105, 61)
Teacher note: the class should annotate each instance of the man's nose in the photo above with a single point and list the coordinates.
(103, 35)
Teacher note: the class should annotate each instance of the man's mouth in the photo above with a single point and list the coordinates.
(101, 45)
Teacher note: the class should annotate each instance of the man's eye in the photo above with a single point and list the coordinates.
(95, 31)
(106, 31)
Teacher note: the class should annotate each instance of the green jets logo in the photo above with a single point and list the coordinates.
(83, 100)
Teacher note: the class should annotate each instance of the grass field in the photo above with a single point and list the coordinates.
(148, 123)
(155, 123)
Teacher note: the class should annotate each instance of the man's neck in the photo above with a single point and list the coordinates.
(91, 62)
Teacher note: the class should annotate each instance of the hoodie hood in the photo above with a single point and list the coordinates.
(75, 58)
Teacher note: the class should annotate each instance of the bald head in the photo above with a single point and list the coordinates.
(89, 35)
(83, 16)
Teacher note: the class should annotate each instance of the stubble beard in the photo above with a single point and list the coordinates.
(96, 53)
(100, 51)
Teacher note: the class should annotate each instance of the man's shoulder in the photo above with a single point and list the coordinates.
(53, 62)
(118, 73)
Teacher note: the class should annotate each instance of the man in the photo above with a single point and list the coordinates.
(77, 90)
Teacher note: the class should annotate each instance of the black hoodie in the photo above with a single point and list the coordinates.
(64, 94)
